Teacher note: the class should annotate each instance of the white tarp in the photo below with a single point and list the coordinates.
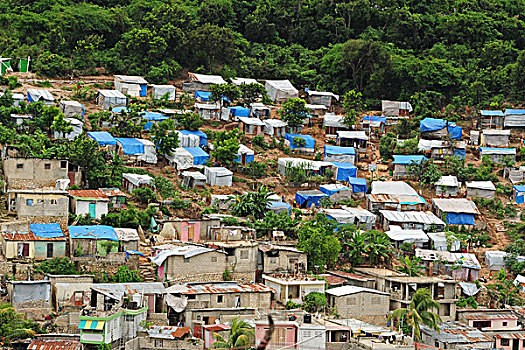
(273, 125)
(150, 152)
(393, 187)
(31, 291)
(283, 163)
(180, 158)
(280, 90)
(158, 91)
(333, 120)
(401, 235)
(240, 81)
(188, 140)
(41, 95)
(245, 150)
(77, 126)
(71, 108)
(427, 145)
(218, 176)
(391, 108)
(207, 79)
(111, 98)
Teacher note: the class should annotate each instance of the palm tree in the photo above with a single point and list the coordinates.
(242, 336)
(377, 246)
(419, 312)
(411, 267)
(254, 204)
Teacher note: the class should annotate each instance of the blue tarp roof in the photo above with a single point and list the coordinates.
(344, 171)
(203, 137)
(310, 141)
(119, 109)
(204, 95)
(103, 138)
(309, 197)
(431, 124)
(358, 184)
(199, 156)
(329, 149)
(514, 111)
(374, 118)
(93, 232)
(131, 146)
(492, 113)
(330, 190)
(280, 205)
(455, 132)
(133, 252)
(46, 230)
(154, 116)
(405, 160)
(239, 111)
(460, 219)
(460, 153)
(519, 197)
(519, 188)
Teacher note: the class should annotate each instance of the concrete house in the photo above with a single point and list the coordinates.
(447, 186)
(481, 189)
(91, 202)
(460, 266)
(509, 340)
(293, 287)
(41, 241)
(128, 239)
(490, 320)
(108, 99)
(131, 85)
(279, 258)
(495, 138)
(280, 90)
(38, 203)
(492, 119)
(456, 211)
(324, 98)
(362, 303)
(454, 335)
(93, 240)
(70, 292)
(24, 173)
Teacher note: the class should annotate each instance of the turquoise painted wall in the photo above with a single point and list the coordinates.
(59, 249)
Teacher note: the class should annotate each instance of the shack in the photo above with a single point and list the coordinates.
(103, 138)
(332, 124)
(305, 143)
(41, 241)
(192, 179)
(187, 157)
(78, 128)
(358, 184)
(402, 161)
(410, 220)
(128, 239)
(93, 240)
(280, 90)
(374, 124)
(305, 199)
(260, 110)
(519, 193)
(460, 266)
(245, 155)
(251, 126)
(447, 186)
(40, 95)
(164, 91)
(481, 189)
(436, 149)
(72, 108)
(188, 138)
(396, 108)
(456, 211)
(131, 85)
(239, 111)
(108, 99)
(203, 82)
(344, 171)
(415, 237)
(495, 138)
(324, 98)
(498, 155)
(275, 128)
(339, 154)
(33, 298)
(356, 139)
(491, 119)
(218, 176)
(514, 118)
(131, 181)
(209, 111)
(359, 217)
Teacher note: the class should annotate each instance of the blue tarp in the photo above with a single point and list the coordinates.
(281, 205)
(152, 117)
(310, 141)
(308, 198)
(514, 111)
(331, 191)
(239, 111)
(328, 149)
(460, 153)
(203, 137)
(204, 95)
(119, 109)
(344, 171)
(93, 232)
(133, 252)
(46, 230)
(460, 219)
(199, 156)
(431, 124)
(405, 160)
(455, 132)
(358, 184)
(520, 194)
(103, 138)
(492, 113)
(374, 118)
(143, 90)
(131, 146)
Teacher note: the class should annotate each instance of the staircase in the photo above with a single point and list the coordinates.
(147, 271)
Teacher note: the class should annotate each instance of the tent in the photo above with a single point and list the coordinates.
(103, 138)
(199, 156)
(358, 184)
(306, 199)
(245, 155)
(203, 95)
(5, 65)
(130, 146)
(189, 138)
(406, 160)
(432, 124)
(481, 189)
(331, 189)
(339, 154)
(159, 91)
(152, 117)
(280, 207)
(309, 141)
(72, 108)
(280, 90)
(188, 157)
(131, 85)
(150, 152)
(77, 126)
(519, 193)
(440, 128)
(239, 111)
(40, 95)
(355, 216)
(275, 127)
(218, 176)
(344, 171)
(111, 98)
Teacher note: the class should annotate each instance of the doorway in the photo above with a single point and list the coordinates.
(93, 210)
(50, 250)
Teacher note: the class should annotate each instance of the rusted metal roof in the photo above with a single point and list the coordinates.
(333, 280)
(514, 335)
(455, 332)
(168, 332)
(490, 316)
(28, 236)
(88, 194)
(118, 290)
(219, 288)
(40, 344)
(348, 275)
(217, 327)
(113, 192)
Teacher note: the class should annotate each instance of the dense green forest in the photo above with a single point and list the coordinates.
(433, 52)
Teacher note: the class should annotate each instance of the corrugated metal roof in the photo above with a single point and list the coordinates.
(422, 217)
(513, 335)
(490, 316)
(349, 275)
(455, 205)
(28, 236)
(349, 290)
(112, 93)
(131, 79)
(88, 194)
(41, 344)
(466, 260)
(118, 290)
(219, 288)
(455, 332)
(113, 192)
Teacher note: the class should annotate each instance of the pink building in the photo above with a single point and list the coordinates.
(492, 321)
(209, 330)
(510, 341)
(285, 334)
(190, 231)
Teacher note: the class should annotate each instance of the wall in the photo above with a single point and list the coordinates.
(185, 229)
(247, 300)
(34, 173)
(243, 263)
(81, 207)
(59, 249)
(361, 304)
(205, 267)
(497, 324)
(42, 205)
(11, 249)
(147, 343)
(282, 261)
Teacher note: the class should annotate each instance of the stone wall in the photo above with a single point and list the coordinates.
(284, 261)
(362, 304)
(34, 172)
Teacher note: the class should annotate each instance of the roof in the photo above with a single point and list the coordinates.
(493, 150)
(427, 145)
(281, 85)
(407, 235)
(448, 181)
(488, 113)
(455, 332)
(210, 106)
(186, 252)
(118, 290)
(112, 93)
(350, 290)
(333, 120)
(113, 192)
(510, 335)
(194, 174)
(131, 79)
(127, 234)
(71, 103)
(218, 288)
(167, 332)
(511, 111)
(406, 160)
(392, 187)
(422, 217)
(48, 344)
(51, 230)
(93, 232)
(360, 135)
(493, 315)
(251, 121)
(455, 205)
(322, 93)
(348, 275)
(394, 198)
(45, 94)
(482, 185)
(496, 132)
(466, 260)
(207, 79)
(137, 179)
(102, 137)
(332, 280)
(240, 81)
(314, 107)
(27, 236)
(276, 123)
(130, 146)
(329, 149)
(432, 124)
(270, 247)
(219, 170)
(88, 195)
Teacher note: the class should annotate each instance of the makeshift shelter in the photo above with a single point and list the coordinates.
(218, 176)
(131, 85)
(275, 128)
(245, 155)
(495, 138)
(514, 118)
(440, 242)
(187, 157)
(408, 220)
(331, 189)
(111, 98)
(462, 266)
(72, 108)
(400, 236)
(315, 110)
(362, 218)
(40, 95)
(202, 96)
(519, 282)
(309, 142)
(358, 184)
(241, 81)
(344, 171)
(495, 260)
(339, 154)
(447, 186)
(189, 138)
(316, 167)
(498, 155)
(396, 108)
(192, 179)
(152, 117)
(129, 146)
(150, 152)
(260, 110)
(203, 81)
(305, 199)
(481, 189)
(131, 181)
(519, 193)
(373, 123)
(460, 149)
(239, 111)
(492, 119)
(356, 139)
(41, 241)
(94, 239)
(393, 187)
(439, 128)
(456, 211)
(436, 149)
(402, 161)
(212, 111)
(161, 91)
(332, 124)
(324, 98)
(280, 90)
(103, 138)
(280, 207)
(77, 126)
(251, 126)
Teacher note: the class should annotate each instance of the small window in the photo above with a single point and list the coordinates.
(244, 254)
(20, 166)
(351, 301)
(504, 323)
(523, 342)
(505, 342)
(220, 299)
(158, 343)
(63, 164)
(47, 166)
(213, 259)
(53, 201)
(375, 300)
(39, 201)
(29, 202)
(192, 297)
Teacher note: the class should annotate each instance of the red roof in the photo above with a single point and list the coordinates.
(348, 275)
(333, 280)
(28, 236)
(217, 327)
(40, 344)
(113, 192)
(180, 331)
(94, 194)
